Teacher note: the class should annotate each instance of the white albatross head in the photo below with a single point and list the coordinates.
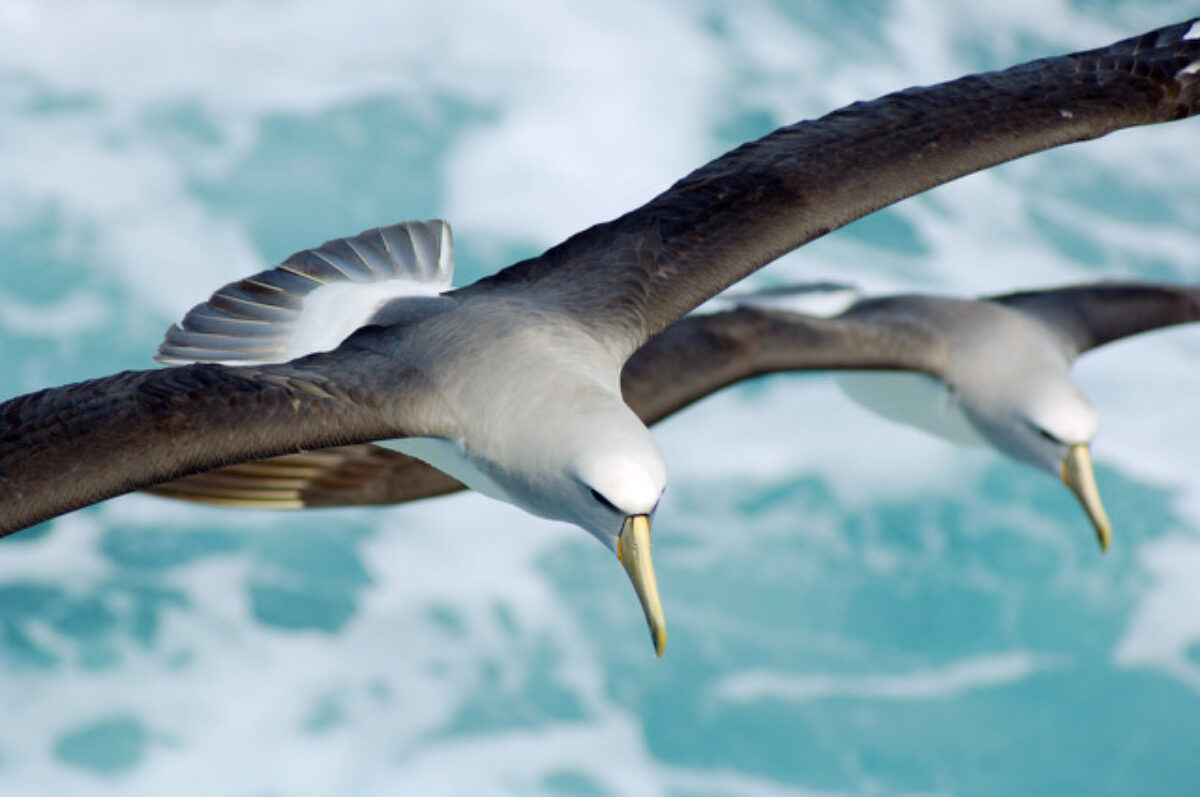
(590, 461)
(620, 484)
(619, 478)
(1033, 411)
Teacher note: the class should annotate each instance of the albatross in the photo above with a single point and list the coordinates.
(993, 371)
(512, 383)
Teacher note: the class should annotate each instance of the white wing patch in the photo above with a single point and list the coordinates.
(1194, 31)
(315, 299)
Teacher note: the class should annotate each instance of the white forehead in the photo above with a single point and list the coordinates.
(1058, 406)
(618, 458)
(1012, 367)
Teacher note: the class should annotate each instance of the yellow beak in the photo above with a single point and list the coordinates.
(633, 549)
(1077, 474)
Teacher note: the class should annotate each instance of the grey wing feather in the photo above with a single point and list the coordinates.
(253, 320)
(1086, 316)
(631, 277)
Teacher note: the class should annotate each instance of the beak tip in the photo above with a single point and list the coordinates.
(633, 550)
(1077, 475)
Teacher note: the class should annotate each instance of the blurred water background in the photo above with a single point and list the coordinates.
(855, 608)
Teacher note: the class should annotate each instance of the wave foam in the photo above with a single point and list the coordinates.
(966, 675)
(1163, 632)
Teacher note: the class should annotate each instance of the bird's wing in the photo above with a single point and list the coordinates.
(632, 277)
(701, 354)
(315, 299)
(70, 446)
(691, 359)
(360, 475)
(1083, 317)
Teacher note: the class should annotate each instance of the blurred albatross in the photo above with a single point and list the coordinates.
(512, 383)
(994, 371)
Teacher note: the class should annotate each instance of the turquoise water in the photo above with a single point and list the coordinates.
(855, 609)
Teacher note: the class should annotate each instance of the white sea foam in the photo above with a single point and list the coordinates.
(655, 135)
(76, 314)
(394, 675)
(940, 683)
(820, 299)
(803, 424)
(1164, 631)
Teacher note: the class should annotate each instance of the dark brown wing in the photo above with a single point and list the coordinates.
(632, 277)
(691, 359)
(70, 446)
(699, 355)
(1087, 316)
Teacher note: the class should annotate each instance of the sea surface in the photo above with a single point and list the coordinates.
(855, 608)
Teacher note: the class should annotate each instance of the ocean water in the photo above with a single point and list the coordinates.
(854, 608)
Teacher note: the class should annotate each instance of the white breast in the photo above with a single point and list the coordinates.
(914, 399)
(448, 457)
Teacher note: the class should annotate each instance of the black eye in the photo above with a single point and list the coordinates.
(604, 501)
(1044, 434)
